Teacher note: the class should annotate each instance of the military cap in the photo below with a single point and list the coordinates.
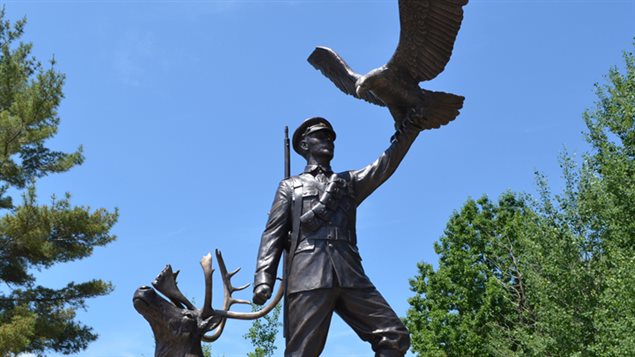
(310, 125)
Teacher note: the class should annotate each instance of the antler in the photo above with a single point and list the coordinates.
(227, 283)
(229, 301)
(165, 283)
(208, 270)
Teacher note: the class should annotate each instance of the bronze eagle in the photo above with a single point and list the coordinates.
(428, 32)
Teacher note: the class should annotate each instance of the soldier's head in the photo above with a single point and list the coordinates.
(315, 138)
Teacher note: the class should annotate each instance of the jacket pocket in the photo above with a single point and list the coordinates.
(309, 197)
(305, 246)
(309, 192)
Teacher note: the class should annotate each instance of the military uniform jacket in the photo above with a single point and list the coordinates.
(327, 256)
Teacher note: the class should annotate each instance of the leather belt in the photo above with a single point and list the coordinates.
(331, 233)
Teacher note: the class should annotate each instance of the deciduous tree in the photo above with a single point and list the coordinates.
(479, 295)
(552, 275)
(262, 333)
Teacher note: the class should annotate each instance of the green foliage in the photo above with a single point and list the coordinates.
(18, 329)
(262, 334)
(548, 276)
(34, 318)
(207, 350)
(607, 208)
(479, 295)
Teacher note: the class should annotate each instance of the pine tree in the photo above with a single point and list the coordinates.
(34, 236)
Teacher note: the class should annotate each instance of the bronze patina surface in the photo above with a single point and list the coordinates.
(313, 216)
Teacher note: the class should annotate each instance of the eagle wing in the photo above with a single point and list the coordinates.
(335, 68)
(428, 31)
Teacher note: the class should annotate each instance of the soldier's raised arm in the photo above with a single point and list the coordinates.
(367, 179)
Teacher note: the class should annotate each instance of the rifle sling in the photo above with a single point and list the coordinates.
(296, 211)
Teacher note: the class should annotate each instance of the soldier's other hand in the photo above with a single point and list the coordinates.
(262, 293)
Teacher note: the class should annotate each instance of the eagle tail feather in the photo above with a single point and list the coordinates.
(440, 108)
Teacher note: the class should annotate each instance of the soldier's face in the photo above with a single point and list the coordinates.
(320, 144)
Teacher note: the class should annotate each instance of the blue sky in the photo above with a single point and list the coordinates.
(181, 105)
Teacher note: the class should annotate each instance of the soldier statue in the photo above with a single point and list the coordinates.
(313, 219)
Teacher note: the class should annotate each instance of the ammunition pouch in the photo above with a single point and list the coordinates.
(323, 209)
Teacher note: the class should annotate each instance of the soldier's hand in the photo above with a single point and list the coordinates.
(262, 293)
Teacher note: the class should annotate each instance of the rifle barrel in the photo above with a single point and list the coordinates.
(287, 155)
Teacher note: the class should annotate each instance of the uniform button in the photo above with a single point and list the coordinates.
(330, 244)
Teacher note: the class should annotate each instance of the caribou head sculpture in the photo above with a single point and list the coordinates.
(178, 326)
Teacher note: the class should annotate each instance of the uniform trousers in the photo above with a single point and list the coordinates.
(364, 310)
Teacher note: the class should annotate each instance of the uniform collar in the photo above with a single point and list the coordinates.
(315, 169)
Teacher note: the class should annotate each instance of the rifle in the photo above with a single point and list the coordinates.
(287, 159)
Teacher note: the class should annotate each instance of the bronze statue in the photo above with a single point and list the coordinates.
(428, 31)
(313, 214)
(178, 326)
(325, 273)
